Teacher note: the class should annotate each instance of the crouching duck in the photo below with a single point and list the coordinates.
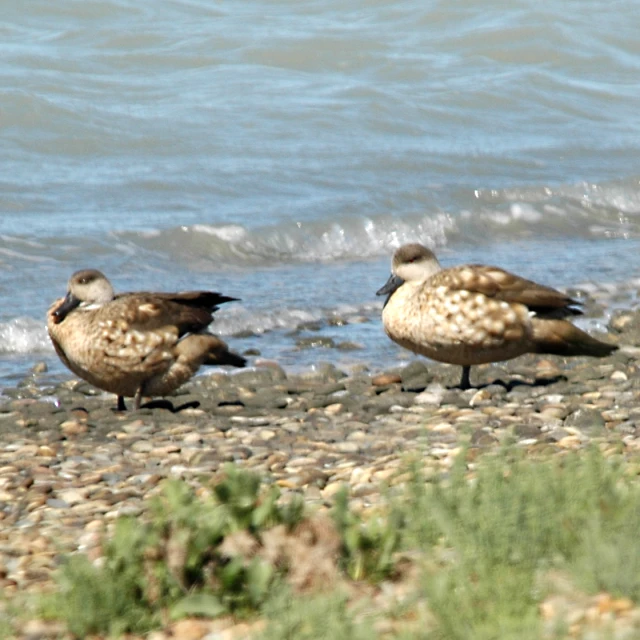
(135, 344)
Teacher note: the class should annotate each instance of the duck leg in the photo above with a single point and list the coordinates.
(121, 405)
(137, 399)
(465, 383)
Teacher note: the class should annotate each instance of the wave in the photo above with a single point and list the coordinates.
(24, 335)
(470, 216)
(241, 321)
(479, 217)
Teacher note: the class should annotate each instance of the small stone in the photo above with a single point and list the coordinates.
(291, 427)
(623, 321)
(334, 409)
(141, 446)
(570, 442)
(332, 488)
(428, 398)
(385, 379)
(347, 345)
(314, 342)
(482, 438)
(39, 367)
(73, 427)
(526, 431)
(190, 629)
(72, 496)
(384, 474)
(275, 369)
(556, 434)
(291, 482)
(254, 421)
(300, 462)
(480, 396)
(133, 427)
(347, 447)
(589, 421)
(41, 629)
(56, 503)
(192, 439)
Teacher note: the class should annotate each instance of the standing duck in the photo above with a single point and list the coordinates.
(475, 314)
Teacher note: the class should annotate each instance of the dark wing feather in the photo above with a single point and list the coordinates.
(198, 299)
(189, 311)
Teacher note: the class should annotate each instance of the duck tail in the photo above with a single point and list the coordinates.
(561, 338)
(225, 357)
(207, 349)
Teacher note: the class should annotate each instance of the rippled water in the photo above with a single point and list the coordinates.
(280, 151)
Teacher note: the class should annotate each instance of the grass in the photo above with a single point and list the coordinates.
(497, 533)
(481, 544)
(316, 617)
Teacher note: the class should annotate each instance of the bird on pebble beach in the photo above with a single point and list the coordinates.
(476, 314)
(135, 344)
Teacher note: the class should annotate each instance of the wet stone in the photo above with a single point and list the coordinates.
(526, 431)
(589, 421)
(386, 380)
(315, 341)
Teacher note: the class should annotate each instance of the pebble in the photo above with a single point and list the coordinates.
(386, 379)
(428, 398)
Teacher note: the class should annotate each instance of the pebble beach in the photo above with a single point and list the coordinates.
(70, 464)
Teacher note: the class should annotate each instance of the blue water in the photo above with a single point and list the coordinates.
(280, 151)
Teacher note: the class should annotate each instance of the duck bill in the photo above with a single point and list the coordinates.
(69, 303)
(390, 286)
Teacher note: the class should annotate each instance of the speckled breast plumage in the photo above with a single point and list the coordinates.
(116, 347)
(441, 319)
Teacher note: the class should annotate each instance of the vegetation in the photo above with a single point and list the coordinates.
(481, 544)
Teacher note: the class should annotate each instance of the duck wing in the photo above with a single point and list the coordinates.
(499, 284)
(188, 311)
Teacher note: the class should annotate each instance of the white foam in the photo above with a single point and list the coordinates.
(239, 320)
(523, 211)
(229, 233)
(24, 335)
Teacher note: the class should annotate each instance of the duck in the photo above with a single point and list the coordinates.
(139, 343)
(475, 314)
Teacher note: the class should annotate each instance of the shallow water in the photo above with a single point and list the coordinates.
(279, 152)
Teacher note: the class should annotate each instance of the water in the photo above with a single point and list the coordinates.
(280, 151)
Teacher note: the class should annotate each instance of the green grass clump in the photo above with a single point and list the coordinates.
(489, 538)
(368, 546)
(315, 617)
(174, 564)
(610, 554)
